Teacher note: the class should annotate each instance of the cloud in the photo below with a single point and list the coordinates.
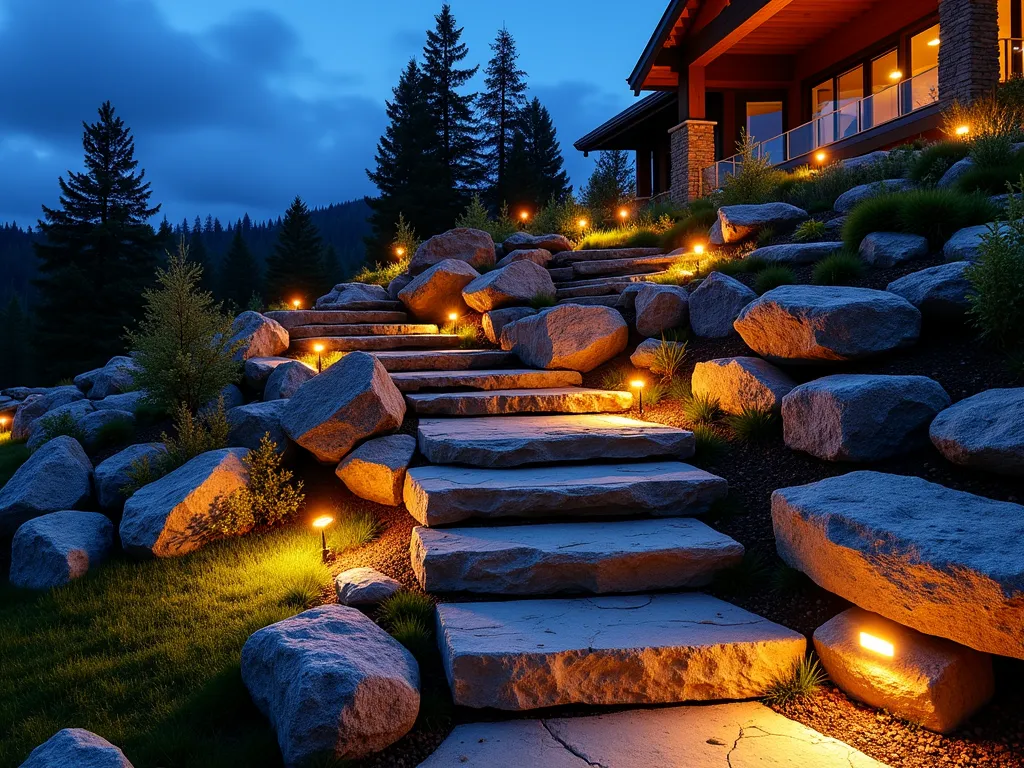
(233, 118)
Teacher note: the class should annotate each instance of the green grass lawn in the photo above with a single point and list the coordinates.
(146, 654)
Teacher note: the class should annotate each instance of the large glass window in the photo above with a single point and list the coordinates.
(885, 76)
(823, 103)
(1011, 55)
(764, 122)
(849, 90)
(924, 60)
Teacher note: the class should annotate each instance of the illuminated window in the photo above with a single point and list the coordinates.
(849, 90)
(764, 119)
(924, 52)
(885, 92)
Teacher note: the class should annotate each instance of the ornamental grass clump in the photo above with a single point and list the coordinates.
(60, 425)
(805, 680)
(809, 231)
(837, 269)
(753, 423)
(354, 530)
(772, 277)
(668, 359)
(935, 159)
(702, 409)
(936, 214)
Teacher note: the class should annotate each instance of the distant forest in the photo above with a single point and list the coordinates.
(342, 225)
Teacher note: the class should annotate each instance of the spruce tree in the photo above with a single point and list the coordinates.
(612, 183)
(240, 274)
(295, 270)
(535, 173)
(99, 254)
(199, 256)
(501, 106)
(408, 174)
(455, 125)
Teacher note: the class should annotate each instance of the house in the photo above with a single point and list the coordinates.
(810, 81)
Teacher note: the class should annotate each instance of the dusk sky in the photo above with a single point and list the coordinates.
(238, 105)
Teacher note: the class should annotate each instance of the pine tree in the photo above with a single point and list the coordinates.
(501, 106)
(240, 274)
(99, 254)
(14, 345)
(407, 174)
(535, 173)
(454, 121)
(295, 270)
(332, 266)
(199, 256)
(612, 183)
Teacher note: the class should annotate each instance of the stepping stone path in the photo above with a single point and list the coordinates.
(347, 330)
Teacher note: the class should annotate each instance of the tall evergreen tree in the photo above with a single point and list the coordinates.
(501, 106)
(612, 183)
(199, 256)
(455, 126)
(240, 274)
(99, 254)
(295, 270)
(535, 172)
(14, 345)
(408, 173)
(332, 265)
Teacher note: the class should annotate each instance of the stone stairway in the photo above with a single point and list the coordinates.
(597, 277)
(365, 326)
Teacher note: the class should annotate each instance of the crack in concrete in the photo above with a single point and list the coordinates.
(569, 748)
(762, 733)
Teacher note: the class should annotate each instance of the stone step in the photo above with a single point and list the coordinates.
(558, 558)
(594, 301)
(297, 317)
(561, 273)
(598, 289)
(445, 359)
(367, 306)
(644, 649)
(503, 402)
(442, 495)
(620, 281)
(603, 254)
(624, 266)
(512, 378)
(370, 329)
(511, 441)
(375, 343)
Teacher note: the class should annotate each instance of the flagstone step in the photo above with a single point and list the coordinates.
(624, 266)
(445, 359)
(375, 343)
(557, 558)
(598, 289)
(621, 281)
(643, 649)
(735, 735)
(298, 317)
(561, 273)
(442, 495)
(511, 441)
(512, 378)
(369, 329)
(594, 301)
(509, 401)
(603, 254)
(367, 306)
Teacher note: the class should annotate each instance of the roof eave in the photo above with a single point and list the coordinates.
(662, 31)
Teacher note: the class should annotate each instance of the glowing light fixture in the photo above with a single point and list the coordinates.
(876, 644)
(399, 251)
(319, 349)
(296, 303)
(698, 249)
(821, 157)
(321, 524)
(3, 423)
(524, 215)
(582, 223)
(933, 43)
(963, 130)
(638, 385)
(623, 213)
(896, 75)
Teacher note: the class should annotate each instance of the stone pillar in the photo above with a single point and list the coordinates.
(693, 150)
(969, 54)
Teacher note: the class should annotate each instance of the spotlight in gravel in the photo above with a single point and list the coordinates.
(638, 385)
(321, 524)
(319, 349)
(876, 644)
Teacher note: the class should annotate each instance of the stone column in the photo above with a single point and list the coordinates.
(693, 150)
(969, 54)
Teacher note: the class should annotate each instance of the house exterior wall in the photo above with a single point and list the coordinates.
(969, 56)
(693, 149)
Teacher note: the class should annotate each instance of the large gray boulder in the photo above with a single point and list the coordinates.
(56, 477)
(739, 222)
(437, 292)
(376, 469)
(76, 748)
(796, 253)
(127, 401)
(944, 562)
(965, 244)
(95, 426)
(471, 246)
(247, 424)
(540, 256)
(805, 323)
(660, 308)
(113, 474)
(117, 376)
(861, 417)
(955, 171)
(886, 249)
(494, 321)
(938, 292)
(645, 356)
(35, 405)
(552, 243)
(569, 336)
(716, 303)
(985, 431)
(258, 369)
(49, 424)
(352, 400)
(741, 383)
(395, 286)
(849, 200)
(354, 296)
(286, 379)
(518, 283)
(259, 335)
(861, 160)
(170, 517)
(51, 550)
(332, 683)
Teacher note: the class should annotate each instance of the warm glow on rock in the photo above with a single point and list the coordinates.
(876, 644)
(323, 521)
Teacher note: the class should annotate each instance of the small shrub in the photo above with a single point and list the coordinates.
(805, 680)
(754, 264)
(669, 358)
(765, 237)
(731, 267)
(352, 531)
(702, 409)
(118, 432)
(991, 151)
(932, 213)
(148, 412)
(543, 301)
(194, 435)
(991, 179)
(654, 393)
(986, 116)
(820, 190)
(61, 424)
(476, 217)
(381, 274)
(679, 389)
(809, 231)
(936, 159)
(997, 278)
(141, 472)
(755, 181)
(876, 214)
(773, 277)
(837, 269)
(405, 606)
(615, 379)
(416, 636)
(753, 423)
(306, 589)
(624, 237)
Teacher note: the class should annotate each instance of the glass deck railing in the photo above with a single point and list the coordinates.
(1011, 58)
(848, 120)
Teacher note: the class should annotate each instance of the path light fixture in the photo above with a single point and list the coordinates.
(896, 74)
(963, 130)
(698, 250)
(524, 216)
(582, 224)
(321, 524)
(453, 318)
(319, 349)
(3, 424)
(638, 385)
(296, 303)
(399, 251)
(876, 644)
(934, 42)
(623, 213)
(820, 157)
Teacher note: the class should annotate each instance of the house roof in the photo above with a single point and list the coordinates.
(673, 25)
(605, 135)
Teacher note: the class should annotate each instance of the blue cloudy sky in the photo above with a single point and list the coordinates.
(237, 105)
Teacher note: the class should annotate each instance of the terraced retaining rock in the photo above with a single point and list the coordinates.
(796, 253)
(539, 256)
(259, 336)
(376, 469)
(258, 369)
(353, 297)
(568, 336)
(518, 283)
(944, 562)
(113, 474)
(660, 308)
(886, 249)
(471, 246)
(247, 424)
(849, 200)
(115, 377)
(38, 404)
(51, 550)
(965, 245)
(985, 431)
(552, 243)
(518, 401)
(437, 292)
(716, 303)
(285, 380)
(56, 477)
(494, 322)
(938, 292)
(738, 222)
(741, 383)
(364, 586)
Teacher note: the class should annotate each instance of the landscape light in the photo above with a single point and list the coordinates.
(638, 385)
(623, 213)
(583, 223)
(821, 157)
(876, 644)
(399, 251)
(296, 303)
(698, 249)
(524, 215)
(319, 349)
(963, 130)
(321, 523)
(3, 423)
